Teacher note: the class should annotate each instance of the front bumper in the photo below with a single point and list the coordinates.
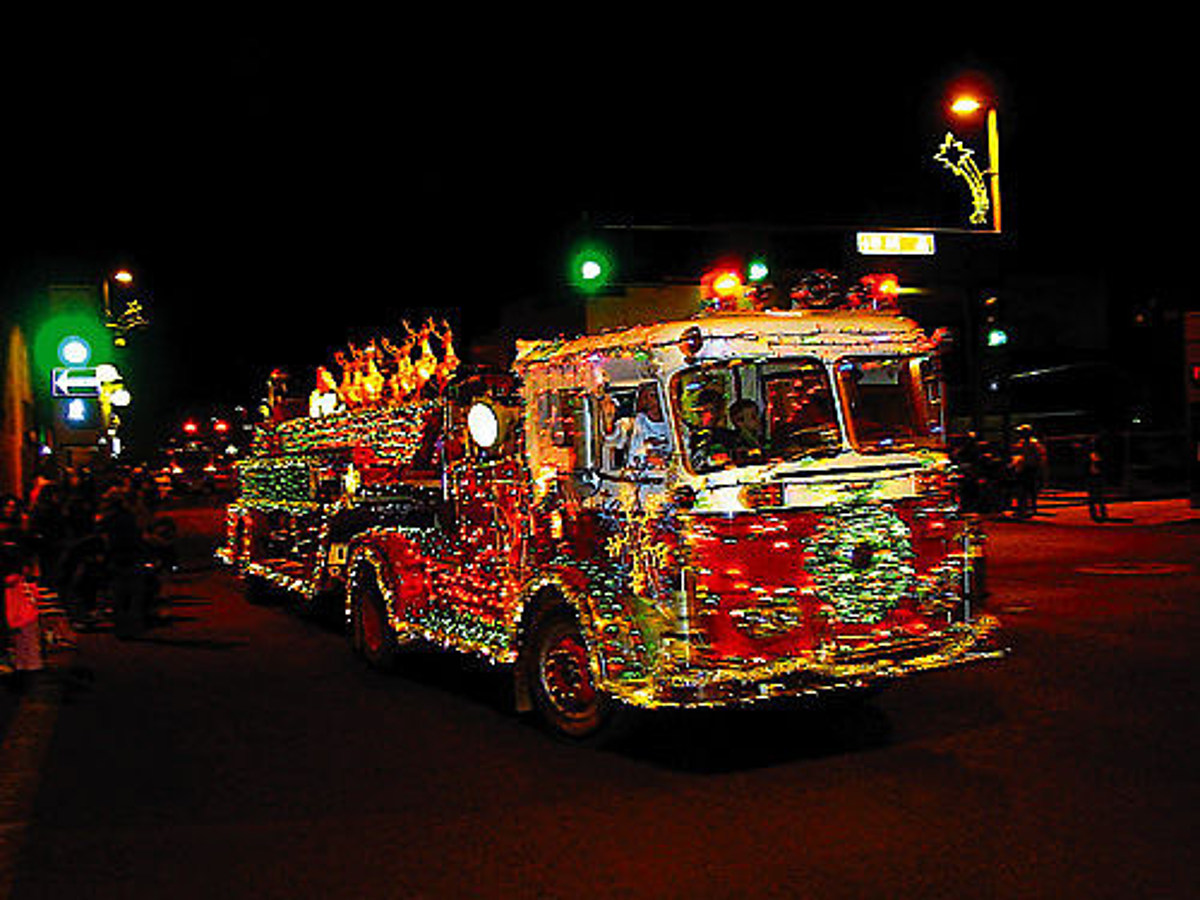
(827, 671)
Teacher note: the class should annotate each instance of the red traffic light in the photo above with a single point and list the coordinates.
(190, 427)
(220, 426)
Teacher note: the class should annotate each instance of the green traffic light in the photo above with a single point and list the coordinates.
(591, 268)
(997, 337)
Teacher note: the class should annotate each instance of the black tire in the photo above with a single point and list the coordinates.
(373, 635)
(561, 684)
(258, 591)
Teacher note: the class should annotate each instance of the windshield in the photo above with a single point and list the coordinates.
(891, 403)
(745, 413)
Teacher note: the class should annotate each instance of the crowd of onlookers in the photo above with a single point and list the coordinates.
(88, 547)
(991, 481)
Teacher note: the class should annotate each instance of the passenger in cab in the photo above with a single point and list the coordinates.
(748, 438)
(643, 440)
(711, 445)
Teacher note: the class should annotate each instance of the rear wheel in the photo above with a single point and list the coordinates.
(561, 683)
(373, 634)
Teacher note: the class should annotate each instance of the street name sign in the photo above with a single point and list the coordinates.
(75, 381)
(896, 243)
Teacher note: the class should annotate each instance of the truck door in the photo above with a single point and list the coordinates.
(487, 490)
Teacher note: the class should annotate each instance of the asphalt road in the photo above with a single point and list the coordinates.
(242, 751)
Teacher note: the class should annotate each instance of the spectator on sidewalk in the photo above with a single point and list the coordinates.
(1094, 477)
(21, 613)
(48, 528)
(12, 519)
(118, 527)
(1029, 465)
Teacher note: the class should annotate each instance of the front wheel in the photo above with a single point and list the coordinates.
(373, 635)
(561, 683)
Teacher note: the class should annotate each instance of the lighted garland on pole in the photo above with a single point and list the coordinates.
(861, 559)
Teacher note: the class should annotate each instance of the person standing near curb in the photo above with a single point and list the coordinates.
(122, 543)
(21, 613)
(1094, 472)
(1029, 464)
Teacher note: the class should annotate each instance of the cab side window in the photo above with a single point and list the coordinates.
(616, 418)
(635, 434)
(564, 415)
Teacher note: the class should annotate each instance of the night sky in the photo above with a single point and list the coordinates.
(279, 186)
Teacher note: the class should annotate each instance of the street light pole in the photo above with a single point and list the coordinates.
(130, 316)
(966, 105)
(993, 138)
(985, 343)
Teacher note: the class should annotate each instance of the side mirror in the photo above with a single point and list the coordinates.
(586, 482)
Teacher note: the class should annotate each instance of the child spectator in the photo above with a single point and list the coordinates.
(21, 612)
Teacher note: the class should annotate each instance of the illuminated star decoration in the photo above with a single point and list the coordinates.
(131, 317)
(961, 161)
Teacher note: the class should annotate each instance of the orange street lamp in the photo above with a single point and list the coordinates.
(964, 106)
(131, 316)
(122, 277)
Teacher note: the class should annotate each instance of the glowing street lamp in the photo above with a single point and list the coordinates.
(124, 278)
(130, 316)
(965, 106)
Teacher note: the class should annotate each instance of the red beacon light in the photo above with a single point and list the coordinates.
(821, 289)
(727, 284)
(722, 288)
(882, 290)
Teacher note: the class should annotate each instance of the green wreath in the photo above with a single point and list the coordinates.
(861, 560)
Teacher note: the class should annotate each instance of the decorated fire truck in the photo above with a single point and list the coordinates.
(745, 506)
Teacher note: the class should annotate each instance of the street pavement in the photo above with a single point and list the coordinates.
(1057, 507)
(243, 751)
